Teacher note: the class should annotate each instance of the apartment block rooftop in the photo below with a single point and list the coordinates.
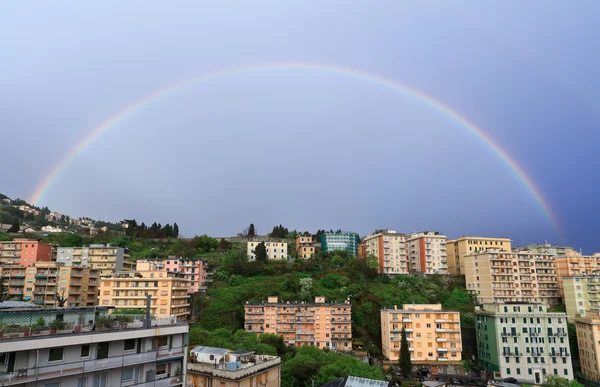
(320, 300)
(227, 364)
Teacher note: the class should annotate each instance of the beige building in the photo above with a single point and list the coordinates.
(305, 246)
(574, 264)
(325, 325)
(499, 277)
(433, 334)
(581, 294)
(588, 340)
(128, 290)
(459, 248)
(48, 284)
(275, 250)
(390, 249)
(427, 253)
(212, 367)
(108, 259)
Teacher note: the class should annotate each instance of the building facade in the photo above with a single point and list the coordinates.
(24, 252)
(153, 356)
(580, 294)
(523, 341)
(128, 290)
(390, 249)
(574, 264)
(433, 334)
(427, 253)
(193, 269)
(499, 277)
(325, 325)
(588, 339)
(210, 367)
(348, 241)
(275, 250)
(544, 248)
(108, 259)
(305, 246)
(463, 246)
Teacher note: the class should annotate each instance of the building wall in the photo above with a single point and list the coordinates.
(427, 253)
(193, 269)
(523, 341)
(305, 247)
(267, 378)
(581, 294)
(390, 249)
(321, 324)
(573, 263)
(275, 250)
(347, 241)
(588, 340)
(457, 250)
(107, 259)
(433, 334)
(24, 252)
(496, 276)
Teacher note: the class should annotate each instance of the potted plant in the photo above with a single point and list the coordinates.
(57, 325)
(103, 322)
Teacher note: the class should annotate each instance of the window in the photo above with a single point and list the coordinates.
(566, 371)
(508, 371)
(82, 382)
(127, 374)
(129, 345)
(518, 371)
(163, 341)
(55, 354)
(85, 351)
(161, 369)
(530, 372)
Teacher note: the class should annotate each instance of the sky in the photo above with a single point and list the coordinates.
(308, 149)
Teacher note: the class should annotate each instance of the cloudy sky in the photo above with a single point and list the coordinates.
(307, 148)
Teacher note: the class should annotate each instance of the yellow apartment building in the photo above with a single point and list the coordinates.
(581, 294)
(46, 283)
(433, 334)
(305, 246)
(500, 277)
(128, 290)
(427, 253)
(588, 340)
(574, 264)
(459, 248)
(108, 259)
(275, 250)
(390, 249)
(325, 325)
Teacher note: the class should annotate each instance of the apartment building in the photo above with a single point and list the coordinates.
(193, 269)
(544, 248)
(209, 366)
(348, 241)
(574, 264)
(75, 355)
(427, 253)
(24, 252)
(523, 341)
(460, 247)
(588, 340)
(390, 249)
(433, 334)
(499, 277)
(128, 290)
(325, 325)
(108, 259)
(581, 293)
(275, 250)
(305, 246)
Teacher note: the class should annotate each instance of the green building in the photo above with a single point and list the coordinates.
(339, 240)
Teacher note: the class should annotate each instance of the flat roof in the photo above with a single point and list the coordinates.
(210, 350)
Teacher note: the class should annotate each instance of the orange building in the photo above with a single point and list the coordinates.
(427, 252)
(305, 246)
(325, 325)
(24, 252)
(573, 264)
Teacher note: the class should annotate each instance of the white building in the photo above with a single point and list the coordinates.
(275, 250)
(427, 253)
(76, 356)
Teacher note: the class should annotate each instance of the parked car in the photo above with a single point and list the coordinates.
(511, 380)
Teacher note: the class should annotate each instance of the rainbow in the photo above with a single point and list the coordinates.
(379, 80)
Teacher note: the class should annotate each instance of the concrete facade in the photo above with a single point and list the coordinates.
(581, 294)
(107, 259)
(463, 246)
(588, 340)
(24, 252)
(575, 264)
(390, 249)
(193, 269)
(275, 250)
(427, 253)
(305, 246)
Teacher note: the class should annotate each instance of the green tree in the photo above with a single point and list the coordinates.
(557, 381)
(260, 252)
(251, 231)
(3, 291)
(373, 261)
(175, 230)
(404, 360)
(15, 226)
(571, 330)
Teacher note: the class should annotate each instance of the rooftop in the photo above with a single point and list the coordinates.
(353, 381)
(210, 350)
(236, 370)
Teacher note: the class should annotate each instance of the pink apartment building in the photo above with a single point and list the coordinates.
(194, 269)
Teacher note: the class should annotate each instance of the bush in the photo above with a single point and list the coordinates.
(58, 324)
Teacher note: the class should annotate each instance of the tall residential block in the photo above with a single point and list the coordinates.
(544, 248)
(523, 341)
(211, 367)
(24, 252)
(339, 240)
(325, 325)
(305, 246)
(77, 355)
(275, 250)
(108, 259)
(499, 277)
(581, 294)
(574, 264)
(588, 340)
(427, 253)
(463, 246)
(433, 334)
(128, 290)
(193, 269)
(390, 249)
